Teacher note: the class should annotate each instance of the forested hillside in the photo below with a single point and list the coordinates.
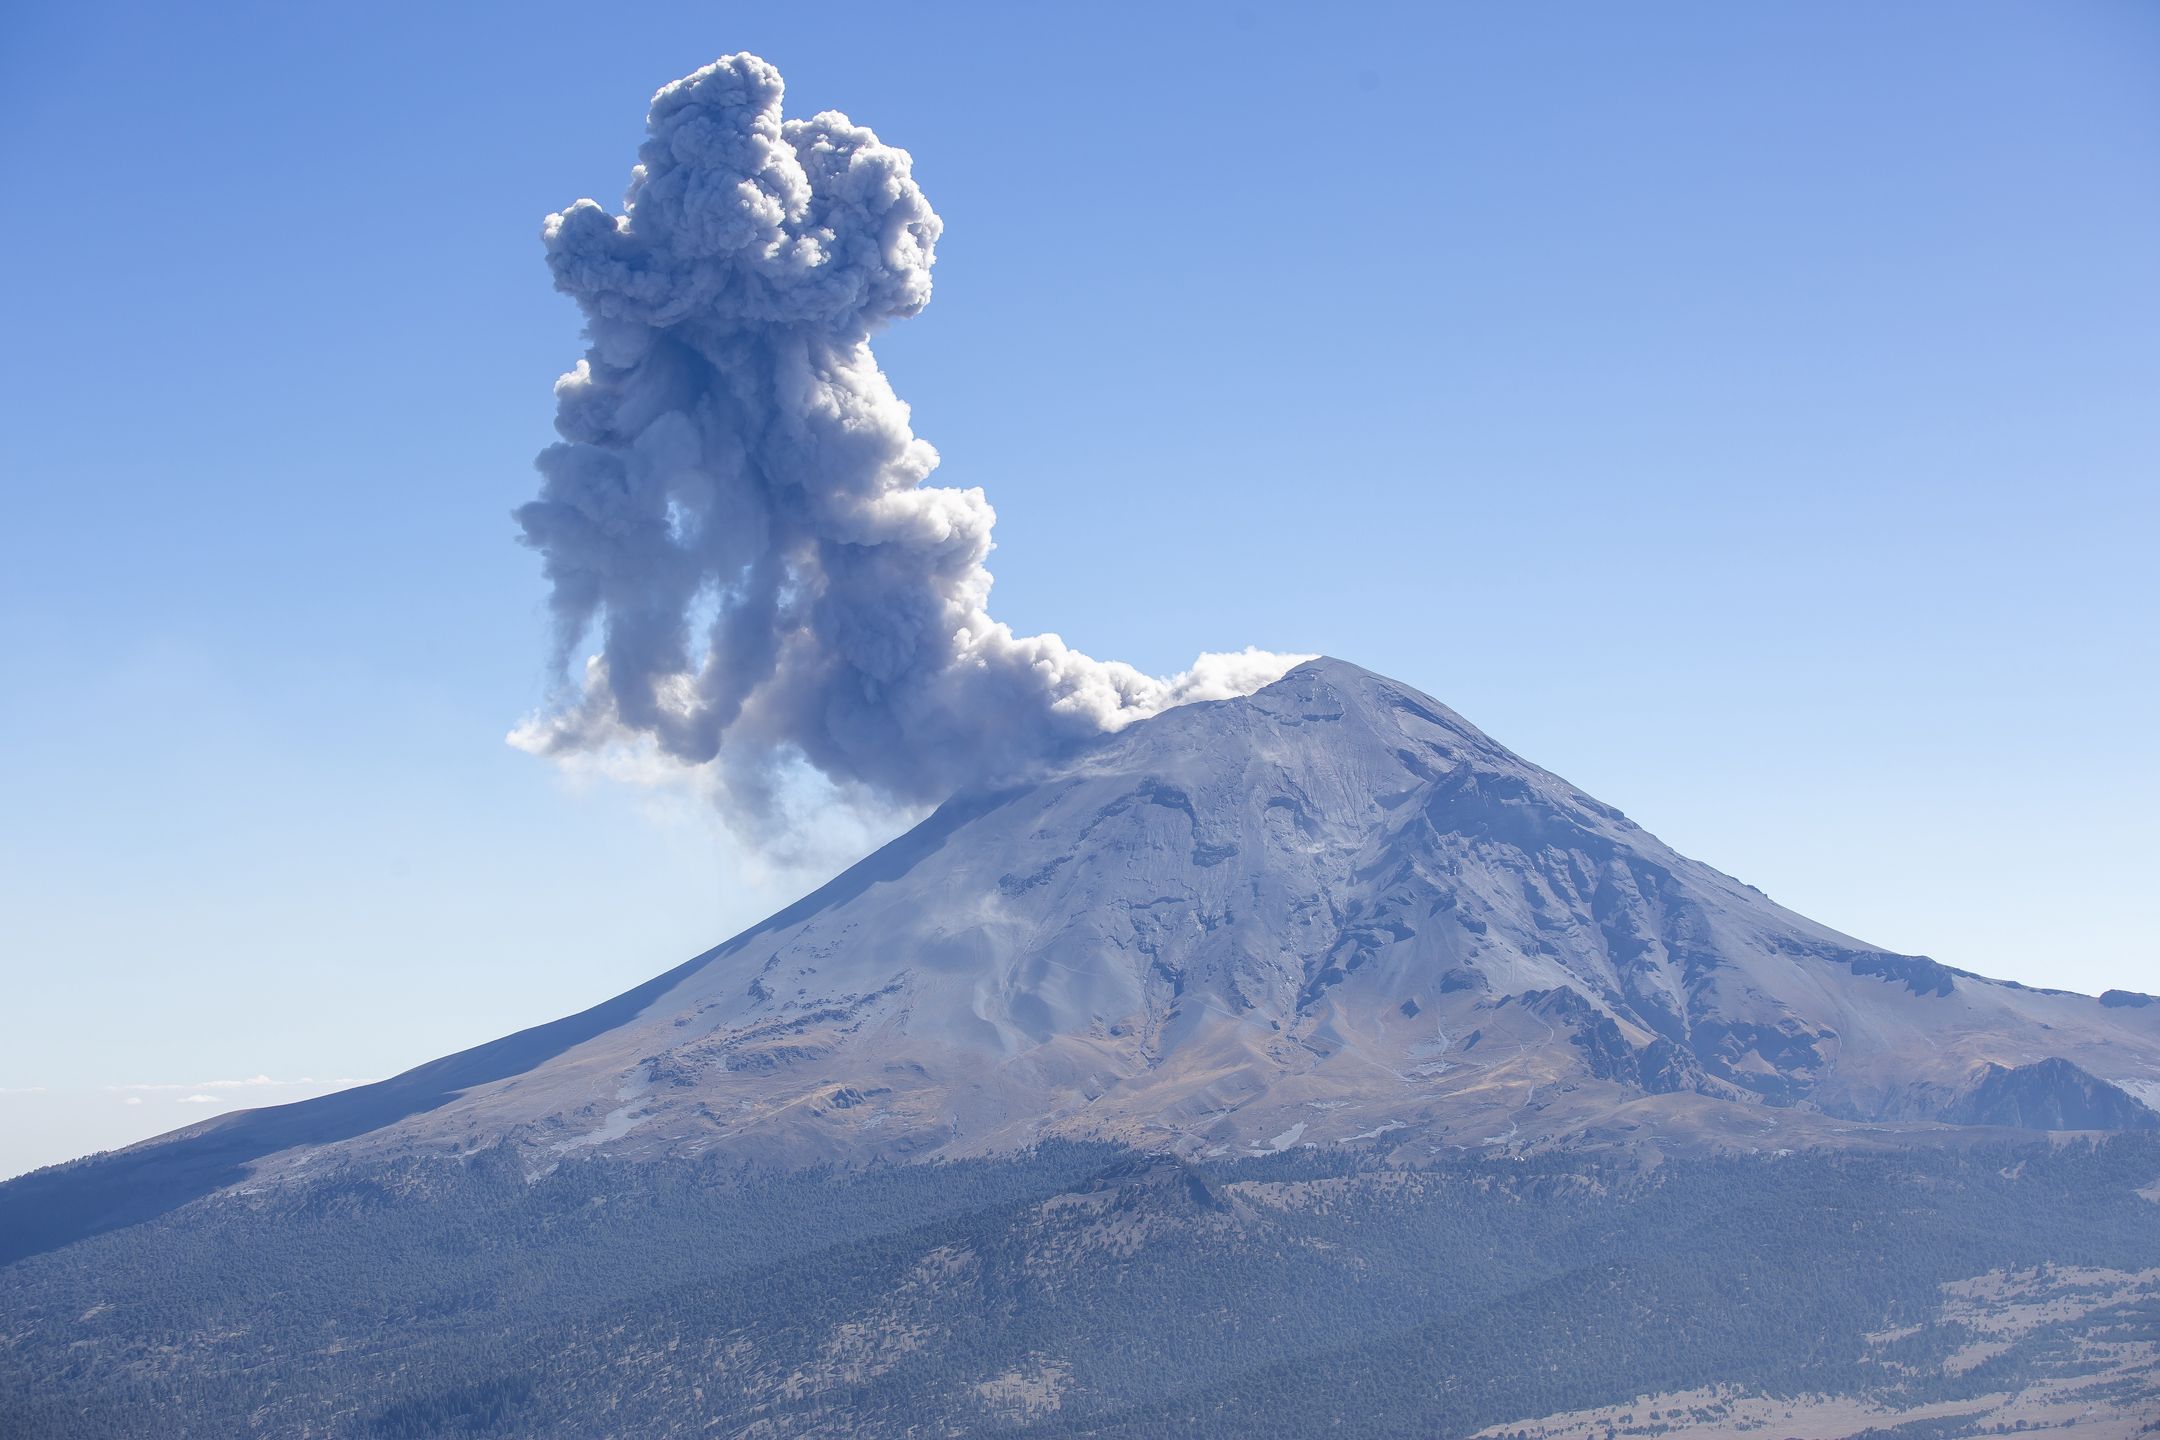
(1078, 1290)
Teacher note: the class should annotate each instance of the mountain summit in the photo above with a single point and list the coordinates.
(1332, 912)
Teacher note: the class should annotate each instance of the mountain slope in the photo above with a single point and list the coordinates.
(1078, 1290)
(1332, 912)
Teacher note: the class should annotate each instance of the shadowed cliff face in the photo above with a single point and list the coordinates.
(2050, 1094)
(1332, 912)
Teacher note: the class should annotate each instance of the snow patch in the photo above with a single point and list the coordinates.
(617, 1124)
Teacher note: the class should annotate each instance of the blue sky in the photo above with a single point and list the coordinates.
(1745, 411)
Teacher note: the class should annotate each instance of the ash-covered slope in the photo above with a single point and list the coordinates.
(1330, 912)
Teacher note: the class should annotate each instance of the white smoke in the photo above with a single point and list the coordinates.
(738, 506)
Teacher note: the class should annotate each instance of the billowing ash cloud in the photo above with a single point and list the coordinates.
(738, 506)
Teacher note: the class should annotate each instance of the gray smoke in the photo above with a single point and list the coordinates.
(738, 507)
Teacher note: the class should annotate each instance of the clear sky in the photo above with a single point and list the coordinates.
(1748, 412)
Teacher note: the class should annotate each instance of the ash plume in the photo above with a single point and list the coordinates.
(738, 509)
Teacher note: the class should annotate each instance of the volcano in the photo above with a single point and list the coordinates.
(1401, 1078)
(1331, 913)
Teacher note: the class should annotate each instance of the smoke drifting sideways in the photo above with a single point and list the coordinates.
(738, 507)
